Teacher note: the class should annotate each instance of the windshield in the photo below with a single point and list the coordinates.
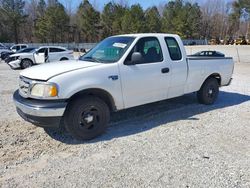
(110, 50)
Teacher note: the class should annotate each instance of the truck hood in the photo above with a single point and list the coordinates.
(46, 71)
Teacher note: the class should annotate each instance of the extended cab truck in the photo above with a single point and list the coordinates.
(119, 73)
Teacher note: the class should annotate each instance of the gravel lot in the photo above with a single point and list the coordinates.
(174, 143)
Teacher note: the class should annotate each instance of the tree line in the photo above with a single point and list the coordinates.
(49, 21)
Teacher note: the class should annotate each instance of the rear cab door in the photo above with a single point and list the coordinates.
(147, 81)
(176, 56)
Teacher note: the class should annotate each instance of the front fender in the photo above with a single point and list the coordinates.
(98, 77)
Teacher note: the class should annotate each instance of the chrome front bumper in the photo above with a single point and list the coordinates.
(44, 113)
(38, 111)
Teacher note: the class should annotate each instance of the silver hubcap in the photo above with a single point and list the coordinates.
(26, 64)
(210, 91)
(89, 118)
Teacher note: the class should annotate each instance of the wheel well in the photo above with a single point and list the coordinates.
(100, 93)
(64, 58)
(216, 76)
(27, 59)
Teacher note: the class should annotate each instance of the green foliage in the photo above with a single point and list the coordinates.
(41, 8)
(134, 21)
(182, 18)
(245, 4)
(153, 20)
(240, 8)
(50, 22)
(53, 25)
(88, 21)
(111, 19)
(12, 13)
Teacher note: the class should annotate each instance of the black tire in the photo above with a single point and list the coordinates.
(209, 91)
(26, 63)
(64, 59)
(82, 110)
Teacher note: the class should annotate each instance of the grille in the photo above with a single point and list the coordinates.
(9, 59)
(24, 86)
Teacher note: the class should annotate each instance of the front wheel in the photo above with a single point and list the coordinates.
(87, 117)
(209, 91)
(26, 63)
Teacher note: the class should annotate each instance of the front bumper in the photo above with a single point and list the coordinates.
(15, 64)
(43, 113)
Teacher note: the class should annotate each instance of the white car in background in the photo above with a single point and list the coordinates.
(14, 48)
(39, 56)
(18, 47)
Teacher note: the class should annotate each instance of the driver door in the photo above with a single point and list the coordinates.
(147, 81)
(39, 56)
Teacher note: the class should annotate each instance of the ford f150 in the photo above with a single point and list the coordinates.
(119, 73)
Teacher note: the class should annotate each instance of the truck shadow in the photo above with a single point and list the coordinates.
(146, 117)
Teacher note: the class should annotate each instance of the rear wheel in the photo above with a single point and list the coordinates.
(87, 118)
(209, 91)
(26, 63)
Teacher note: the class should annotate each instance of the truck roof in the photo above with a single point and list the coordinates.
(149, 34)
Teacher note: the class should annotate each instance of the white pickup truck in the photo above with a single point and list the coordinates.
(119, 73)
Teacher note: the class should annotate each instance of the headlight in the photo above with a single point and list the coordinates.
(44, 90)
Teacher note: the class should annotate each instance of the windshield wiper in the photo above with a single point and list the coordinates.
(94, 59)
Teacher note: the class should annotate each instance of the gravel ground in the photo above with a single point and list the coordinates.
(174, 143)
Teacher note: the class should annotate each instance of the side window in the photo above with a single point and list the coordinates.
(42, 50)
(23, 46)
(173, 48)
(150, 49)
(56, 50)
(18, 48)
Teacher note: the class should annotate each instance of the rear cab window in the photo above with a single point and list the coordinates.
(173, 48)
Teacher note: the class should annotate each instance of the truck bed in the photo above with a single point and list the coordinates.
(200, 67)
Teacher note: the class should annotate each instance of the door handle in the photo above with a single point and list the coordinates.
(165, 70)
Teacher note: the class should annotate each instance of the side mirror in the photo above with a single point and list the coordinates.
(135, 58)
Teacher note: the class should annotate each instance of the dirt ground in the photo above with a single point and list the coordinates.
(173, 143)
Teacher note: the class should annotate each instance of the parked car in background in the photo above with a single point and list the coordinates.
(118, 73)
(13, 48)
(241, 41)
(209, 54)
(214, 42)
(5, 55)
(2, 46)
(39, 56)
(18, 47)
